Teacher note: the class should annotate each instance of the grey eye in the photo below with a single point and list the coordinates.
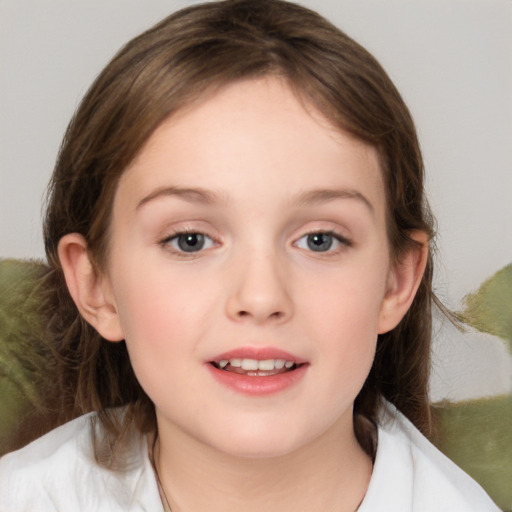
(323, 241)
(190, 242)
(319, 242)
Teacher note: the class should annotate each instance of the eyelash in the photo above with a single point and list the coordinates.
(342, 240)
(176, 235)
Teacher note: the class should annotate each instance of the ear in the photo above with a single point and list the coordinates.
(90, 291)
(403, 282)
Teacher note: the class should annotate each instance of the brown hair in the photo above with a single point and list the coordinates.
(190, 53)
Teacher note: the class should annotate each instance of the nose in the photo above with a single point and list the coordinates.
(259, 291)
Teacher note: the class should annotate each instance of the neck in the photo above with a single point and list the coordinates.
(330, 474)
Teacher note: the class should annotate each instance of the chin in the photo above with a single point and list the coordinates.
(256, 441)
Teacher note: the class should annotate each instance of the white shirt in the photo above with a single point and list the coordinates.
(58, 473)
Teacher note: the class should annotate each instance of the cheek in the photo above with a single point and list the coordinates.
(349, 340)
(150, 298)
(342, 319)
(148, 311)
(158, 329)
(347, 304)
(165, 313)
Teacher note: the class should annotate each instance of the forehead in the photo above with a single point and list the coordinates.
(250, 136)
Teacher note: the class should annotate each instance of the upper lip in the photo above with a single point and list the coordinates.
(258, 353)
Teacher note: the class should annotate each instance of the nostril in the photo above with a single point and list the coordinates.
(275, 314)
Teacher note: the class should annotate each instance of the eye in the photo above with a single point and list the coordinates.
(321, 241)
(189, 242)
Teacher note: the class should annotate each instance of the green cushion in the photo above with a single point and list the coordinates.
(24, 358)
(477, 436)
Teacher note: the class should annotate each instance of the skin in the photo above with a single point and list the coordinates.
(261, 155)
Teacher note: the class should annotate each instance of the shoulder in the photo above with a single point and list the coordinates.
(411, 474)
(59, 472)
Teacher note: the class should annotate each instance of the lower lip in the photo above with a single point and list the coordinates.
(257, 385)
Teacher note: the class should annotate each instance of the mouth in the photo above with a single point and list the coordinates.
(256, 367)
(258, 371)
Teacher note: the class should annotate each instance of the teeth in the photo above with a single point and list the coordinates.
(267, 364)
(249, 364)
(255, 364)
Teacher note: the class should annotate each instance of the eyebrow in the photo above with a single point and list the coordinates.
(314, 197)
(192, 195)
(204, 196)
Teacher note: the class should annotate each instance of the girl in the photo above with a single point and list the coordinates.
(240, 281)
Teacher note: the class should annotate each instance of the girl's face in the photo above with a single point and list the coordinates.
(250, 232)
